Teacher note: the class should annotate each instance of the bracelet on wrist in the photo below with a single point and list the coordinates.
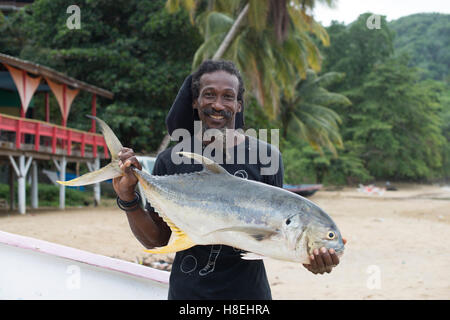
(129, 205)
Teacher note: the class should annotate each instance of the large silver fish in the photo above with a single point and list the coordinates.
(215, 207)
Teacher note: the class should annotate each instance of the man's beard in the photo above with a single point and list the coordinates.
(224, 113)
(218, 136)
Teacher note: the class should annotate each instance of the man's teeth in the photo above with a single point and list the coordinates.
(216, 117)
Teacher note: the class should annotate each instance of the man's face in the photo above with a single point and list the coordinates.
(217, 103)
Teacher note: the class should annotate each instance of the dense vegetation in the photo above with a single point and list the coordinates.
(425, 38)
(395, 124)
(134, 48)
(361, 104)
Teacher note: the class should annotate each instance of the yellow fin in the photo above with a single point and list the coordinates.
(181, 242)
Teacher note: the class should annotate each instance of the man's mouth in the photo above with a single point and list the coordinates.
(216, 117)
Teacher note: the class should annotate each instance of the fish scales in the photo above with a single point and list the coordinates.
(226, 195)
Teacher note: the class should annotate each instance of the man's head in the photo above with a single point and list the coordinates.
(217, 93)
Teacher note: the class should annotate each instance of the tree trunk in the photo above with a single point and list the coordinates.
(231, 34)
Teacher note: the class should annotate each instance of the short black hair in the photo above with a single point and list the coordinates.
(209, 66)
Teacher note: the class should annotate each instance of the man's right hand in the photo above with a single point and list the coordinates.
(126, 184)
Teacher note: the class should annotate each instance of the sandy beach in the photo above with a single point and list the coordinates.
(397, 246)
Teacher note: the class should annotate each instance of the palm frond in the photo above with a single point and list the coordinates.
(257, 15)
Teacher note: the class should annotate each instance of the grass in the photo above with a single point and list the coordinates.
(48, 196)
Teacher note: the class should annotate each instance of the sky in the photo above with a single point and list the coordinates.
(348, 10)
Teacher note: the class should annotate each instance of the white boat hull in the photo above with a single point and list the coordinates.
(36, 269)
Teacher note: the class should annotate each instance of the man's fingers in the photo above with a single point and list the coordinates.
(310, 268)
(125, 153)
(326, 257)
(334, 257)
(319, 261)
(132, 161)
(313, 263)
(322, 260)
(127, 159)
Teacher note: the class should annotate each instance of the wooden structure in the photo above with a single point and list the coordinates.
(24, 141)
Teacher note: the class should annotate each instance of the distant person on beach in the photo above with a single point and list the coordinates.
(214, 96)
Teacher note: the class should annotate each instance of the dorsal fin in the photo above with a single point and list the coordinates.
(208, 164)
(111, 140)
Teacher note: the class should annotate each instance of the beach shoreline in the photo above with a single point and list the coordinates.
(396, 248)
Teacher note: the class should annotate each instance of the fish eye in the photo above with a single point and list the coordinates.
(288, 221)
(331, 235)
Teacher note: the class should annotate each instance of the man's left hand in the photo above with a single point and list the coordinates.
(322, 260)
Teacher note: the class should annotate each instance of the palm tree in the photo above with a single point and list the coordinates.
(308, 112)
(268, 39)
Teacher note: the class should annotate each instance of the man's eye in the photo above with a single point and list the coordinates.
(208, 94)
(229, 97)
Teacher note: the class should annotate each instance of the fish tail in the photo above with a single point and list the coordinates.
(112, 170)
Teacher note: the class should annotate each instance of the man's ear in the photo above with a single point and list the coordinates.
(239, 108)
(195, 104)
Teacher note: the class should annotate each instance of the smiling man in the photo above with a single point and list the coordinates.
(214, 96)
(216, 99)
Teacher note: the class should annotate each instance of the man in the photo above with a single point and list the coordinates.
(208, 272)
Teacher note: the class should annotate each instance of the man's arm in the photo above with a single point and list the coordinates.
(146, 226)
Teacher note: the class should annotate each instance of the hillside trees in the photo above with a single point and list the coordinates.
(394, 124)
(134, 48)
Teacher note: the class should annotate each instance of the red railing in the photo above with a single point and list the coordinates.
(61, 136)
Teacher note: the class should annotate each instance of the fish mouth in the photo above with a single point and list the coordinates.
(309, 249)
(339, 252)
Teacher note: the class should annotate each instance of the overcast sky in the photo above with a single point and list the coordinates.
(348, 10)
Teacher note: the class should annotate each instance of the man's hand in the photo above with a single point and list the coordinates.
(323, 260)
(126, 184)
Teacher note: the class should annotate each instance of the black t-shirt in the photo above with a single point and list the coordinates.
(218, 271)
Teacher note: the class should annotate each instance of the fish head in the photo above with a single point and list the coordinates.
(311, 228)
(325, 235)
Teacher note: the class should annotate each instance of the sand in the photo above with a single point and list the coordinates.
(397, 243)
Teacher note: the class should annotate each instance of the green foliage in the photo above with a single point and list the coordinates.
(304, 164)
(355, 49)
(425, 38)
(308, 115)
(443, 90)
(135, 49)
(394, 124)
(376, 111)
(255, 117)
(398, 123)
(48, 195)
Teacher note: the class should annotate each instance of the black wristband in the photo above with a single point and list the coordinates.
(129, 205)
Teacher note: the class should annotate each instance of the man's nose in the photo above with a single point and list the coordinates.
(217, 105)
